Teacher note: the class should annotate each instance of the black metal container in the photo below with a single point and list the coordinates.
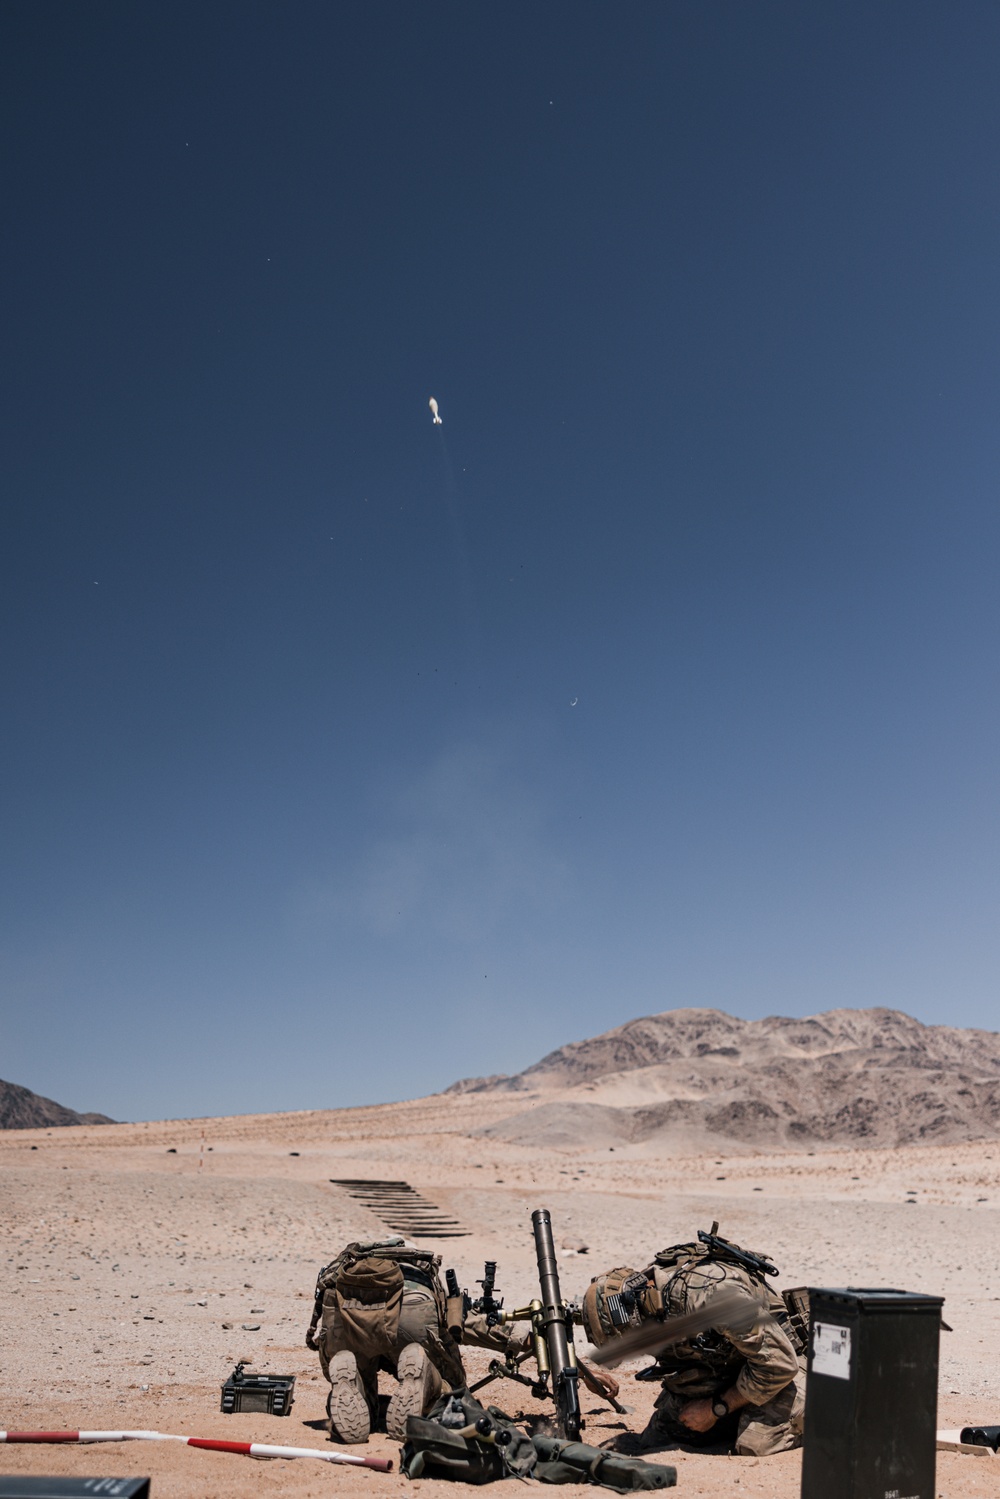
(268, 1394)
(34, 1486)
(871, 1395)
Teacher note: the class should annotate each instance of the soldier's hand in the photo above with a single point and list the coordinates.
(697, 1415)
(598, 1381)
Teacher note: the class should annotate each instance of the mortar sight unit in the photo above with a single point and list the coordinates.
(487, 1304)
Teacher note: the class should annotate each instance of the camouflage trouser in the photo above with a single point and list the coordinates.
(418, 1323)
(752, 1431)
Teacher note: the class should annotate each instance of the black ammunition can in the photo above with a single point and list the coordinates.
(871, 1395)
(268, 1394)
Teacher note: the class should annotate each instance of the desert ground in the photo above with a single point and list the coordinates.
(143, 1260)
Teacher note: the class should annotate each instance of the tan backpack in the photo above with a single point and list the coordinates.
(369, 1297)
(366, 1281)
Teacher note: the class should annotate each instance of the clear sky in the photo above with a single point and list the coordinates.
(344, 755)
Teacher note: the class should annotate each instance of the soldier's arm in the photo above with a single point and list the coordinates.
(476, 1331)
(700, 1415)
(770, 1362)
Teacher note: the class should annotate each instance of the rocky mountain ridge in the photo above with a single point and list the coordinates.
(876, 1077)
(22, 1109)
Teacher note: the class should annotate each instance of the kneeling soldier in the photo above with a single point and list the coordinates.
(741, 1383)
(381, 1305)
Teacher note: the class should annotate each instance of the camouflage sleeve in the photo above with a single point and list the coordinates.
(500, 1339)
(771, 1361)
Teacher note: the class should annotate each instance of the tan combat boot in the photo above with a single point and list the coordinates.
(350, 1418)
(419, 1387)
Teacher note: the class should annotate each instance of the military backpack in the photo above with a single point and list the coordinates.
(367, 1280)
(461, 1440)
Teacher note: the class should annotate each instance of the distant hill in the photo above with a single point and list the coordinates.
(872, 1077)
(22, 1109)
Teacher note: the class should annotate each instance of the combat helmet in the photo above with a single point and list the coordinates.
(614, 1301)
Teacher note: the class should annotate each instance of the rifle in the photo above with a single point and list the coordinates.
(755, 1263)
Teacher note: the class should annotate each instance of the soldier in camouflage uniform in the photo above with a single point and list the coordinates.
(740, 1384)
(381, 1306)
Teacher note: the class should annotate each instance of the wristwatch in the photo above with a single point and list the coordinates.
(719, 1409)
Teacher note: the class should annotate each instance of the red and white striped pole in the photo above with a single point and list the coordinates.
(247, 1449)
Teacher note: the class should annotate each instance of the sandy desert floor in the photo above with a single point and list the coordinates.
(136, 1277)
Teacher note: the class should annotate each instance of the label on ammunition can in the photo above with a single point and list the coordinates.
(831, 1351)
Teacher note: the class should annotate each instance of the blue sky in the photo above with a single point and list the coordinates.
(344, 755)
